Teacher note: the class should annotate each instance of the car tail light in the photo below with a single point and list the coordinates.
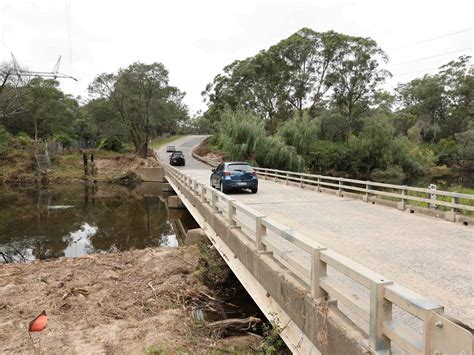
(227, 173)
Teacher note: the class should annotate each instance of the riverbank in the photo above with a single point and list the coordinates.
(19, 168)
(139, 301)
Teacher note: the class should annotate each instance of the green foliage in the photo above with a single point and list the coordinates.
(272, 343)
(112, 143)
(24, 139)
(300, 132)
(241, 135)
(5, 140)
(64, 139)
(465, 143)
(140, 98)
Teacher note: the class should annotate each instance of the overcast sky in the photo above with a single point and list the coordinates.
(196, 39)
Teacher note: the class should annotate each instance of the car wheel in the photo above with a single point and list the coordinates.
(254, 190)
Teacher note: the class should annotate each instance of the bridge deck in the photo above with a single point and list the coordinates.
(430, 256)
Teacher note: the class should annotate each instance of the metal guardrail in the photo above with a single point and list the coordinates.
(368, 188)
(309, 261)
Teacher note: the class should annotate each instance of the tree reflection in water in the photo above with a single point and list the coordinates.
(78, 219)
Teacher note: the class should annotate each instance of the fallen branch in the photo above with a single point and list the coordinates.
(235, 323)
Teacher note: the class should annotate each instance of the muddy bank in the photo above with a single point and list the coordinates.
(129, 302)
(20, 167)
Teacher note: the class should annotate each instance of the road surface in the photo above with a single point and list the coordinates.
(430, 256)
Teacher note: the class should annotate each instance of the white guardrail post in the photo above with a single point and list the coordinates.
(380, 311)
(318, 270)
(260, 233)
(231, 213)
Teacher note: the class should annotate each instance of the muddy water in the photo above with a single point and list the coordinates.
(78, 219)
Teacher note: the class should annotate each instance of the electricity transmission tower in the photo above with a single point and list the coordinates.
(17, 70)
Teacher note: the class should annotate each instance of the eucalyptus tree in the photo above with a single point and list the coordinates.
(356, 76)
(141, 98)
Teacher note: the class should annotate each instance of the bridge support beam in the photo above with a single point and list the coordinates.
(195, 236)
(175, 202)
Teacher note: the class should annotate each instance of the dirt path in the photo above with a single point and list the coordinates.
(122, 303)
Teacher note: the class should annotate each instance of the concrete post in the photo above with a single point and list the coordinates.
(286, 178)
(380, 311)
(318, 270)
(319, 184)
(367, 189)
(231, 213)
(451, 215)
(339, 191)
(301, 182)
(214, 200)
(203, 194)
(401, 205)
(260, 232)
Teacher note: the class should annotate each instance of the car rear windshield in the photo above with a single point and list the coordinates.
(239, 167)
(177, 154)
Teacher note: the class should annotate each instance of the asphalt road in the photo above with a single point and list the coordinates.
(430, 256)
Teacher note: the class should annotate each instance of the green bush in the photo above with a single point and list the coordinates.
(65, 140)
(413, 158)
(5, 143)
(113, 144)
(24, 139)
(300, 132)
(242, 136)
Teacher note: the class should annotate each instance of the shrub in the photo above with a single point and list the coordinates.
(65, 140)
(24, 139)
(413, 158)
(111, 143)
(242, 136)
(5, 143)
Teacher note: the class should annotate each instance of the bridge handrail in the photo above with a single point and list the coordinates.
(383, 292)
(368, 188)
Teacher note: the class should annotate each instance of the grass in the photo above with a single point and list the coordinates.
(159, 142)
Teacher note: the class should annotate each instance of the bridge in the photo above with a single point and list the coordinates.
(341, 268)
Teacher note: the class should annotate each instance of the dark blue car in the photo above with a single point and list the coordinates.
(234, 176)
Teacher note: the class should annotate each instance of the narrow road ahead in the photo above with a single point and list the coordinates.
(430, 256)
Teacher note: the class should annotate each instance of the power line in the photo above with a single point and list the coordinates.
(433, 56)
(433, 39)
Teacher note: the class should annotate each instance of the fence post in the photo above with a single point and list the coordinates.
(214, 200)
(318, 270)
(231, 213)
(451, 215)
(203, 194)
(260, 232)
(319, 184)
(286, 178)
(380, 311)
(339, 191)
(402, 204)
(367, 189)
(301, 181)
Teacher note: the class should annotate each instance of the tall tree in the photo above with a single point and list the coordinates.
(137, 95)
(356, 76)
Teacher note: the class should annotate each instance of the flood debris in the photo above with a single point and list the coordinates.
(127, 302)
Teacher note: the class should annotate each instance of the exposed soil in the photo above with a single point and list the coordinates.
(129, 302)
(204, 150)
(20, 167)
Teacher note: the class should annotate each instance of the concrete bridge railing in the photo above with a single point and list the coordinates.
(326, 274)
(400, 193)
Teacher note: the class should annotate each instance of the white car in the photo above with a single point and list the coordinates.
(170, 149)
